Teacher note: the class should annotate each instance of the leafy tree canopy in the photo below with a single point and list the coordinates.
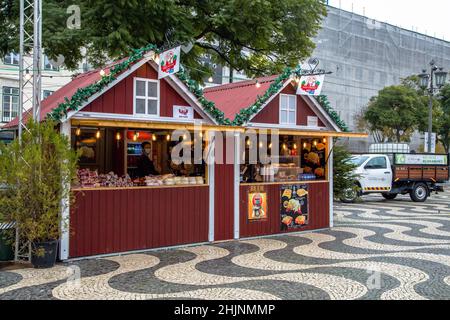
(444, 127)
(396, 113)
(258, 36)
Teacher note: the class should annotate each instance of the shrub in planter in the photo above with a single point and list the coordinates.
(37, 174)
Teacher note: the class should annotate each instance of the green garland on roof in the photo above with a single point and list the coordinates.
(323, 101)
(83, 94)
(207, 105)
(245, 114)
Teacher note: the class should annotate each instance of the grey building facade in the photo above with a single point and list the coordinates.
(365, 56)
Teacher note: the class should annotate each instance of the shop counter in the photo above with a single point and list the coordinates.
(113, 220)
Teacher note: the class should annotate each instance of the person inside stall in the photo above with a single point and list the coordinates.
(145, 166)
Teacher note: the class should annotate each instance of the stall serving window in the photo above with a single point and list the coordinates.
(297, 159)
(136, 158)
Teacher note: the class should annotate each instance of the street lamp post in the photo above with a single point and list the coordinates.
(437, 76)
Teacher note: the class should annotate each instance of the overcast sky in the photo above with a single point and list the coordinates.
(425, 16)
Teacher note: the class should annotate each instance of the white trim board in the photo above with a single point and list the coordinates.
(129, 117)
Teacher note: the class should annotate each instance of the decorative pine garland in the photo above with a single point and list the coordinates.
(323, 101)
(83, 94)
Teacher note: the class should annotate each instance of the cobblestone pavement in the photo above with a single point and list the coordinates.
(378, 250)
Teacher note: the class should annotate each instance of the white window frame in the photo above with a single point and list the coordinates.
(288, 109)
(51, 68)
(11, 56)
(10, 97)
(44, 91)
(146, 98)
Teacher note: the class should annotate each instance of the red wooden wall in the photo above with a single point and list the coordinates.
(112, 221)
(271, 113)
(318, 202)
(224, 197)
(119, 99)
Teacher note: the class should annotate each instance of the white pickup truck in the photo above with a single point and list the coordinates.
(401, 173)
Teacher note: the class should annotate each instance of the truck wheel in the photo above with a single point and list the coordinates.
(389, 196)
(419, 193)
(349, 195)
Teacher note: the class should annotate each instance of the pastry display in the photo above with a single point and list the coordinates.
(91, 179)
(320, 172)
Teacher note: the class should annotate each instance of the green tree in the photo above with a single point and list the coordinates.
(343, 176)
(258, 37)
(444, 128)
(396, 112)
(35, 175)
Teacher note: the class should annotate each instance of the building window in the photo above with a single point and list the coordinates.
(288, 109)
(11, 59)
(48, 66)
(46, 94)
(10, 103)
(146, 97)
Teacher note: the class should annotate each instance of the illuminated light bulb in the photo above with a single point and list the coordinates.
(78, 131)
(210, 79)
(284, 146)
(304, 145)
(98, 134)
(260, 144)
(324, 140)
(154, 137)
(270, 145)
(248, 142)
(257, 84)
(27, 75)
(102, 73)
(118, 136)
(135, 136)
(315, 143)
(295, 146)
(168, 137)
(201, 134)
(184, 136)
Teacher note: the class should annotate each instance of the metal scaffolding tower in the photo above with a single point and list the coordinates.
(29, 82)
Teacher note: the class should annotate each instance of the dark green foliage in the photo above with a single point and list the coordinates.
(37, 175)
(274, 33)
(444, 120)
(343, 176)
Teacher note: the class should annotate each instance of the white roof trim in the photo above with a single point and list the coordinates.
(270, 99)
(174, 82)
(111, 85)
(312, 103)
(87, 115)
(315, 105)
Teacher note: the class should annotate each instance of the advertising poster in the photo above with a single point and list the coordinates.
(421, 159)
(294, 207)
(257, 204)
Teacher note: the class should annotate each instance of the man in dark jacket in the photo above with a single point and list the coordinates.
(144, 164)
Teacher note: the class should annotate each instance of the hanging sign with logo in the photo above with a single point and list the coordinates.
(169, 62)
(182, 112)
(311, 85)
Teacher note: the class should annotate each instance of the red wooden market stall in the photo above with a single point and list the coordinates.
(132, 195)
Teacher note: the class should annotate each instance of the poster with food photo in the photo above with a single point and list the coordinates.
(294, 207)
